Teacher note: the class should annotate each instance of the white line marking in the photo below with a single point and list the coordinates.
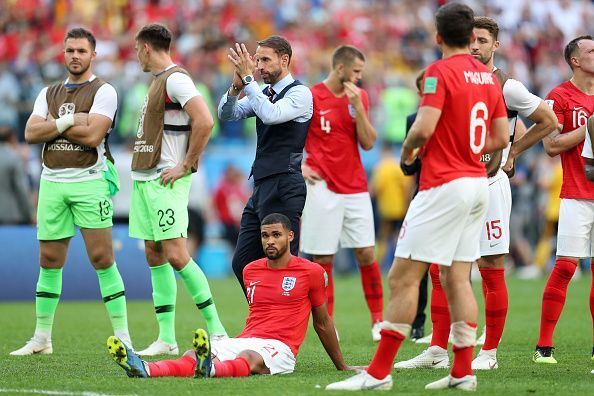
(56, 392)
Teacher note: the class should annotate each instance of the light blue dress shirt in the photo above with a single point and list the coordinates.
(297, 104)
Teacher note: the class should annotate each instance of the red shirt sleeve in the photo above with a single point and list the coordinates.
(317, 288)
(500, 109)
(434, 90)
(556, 101)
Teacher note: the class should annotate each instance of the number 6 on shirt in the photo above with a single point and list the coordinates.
(478, 122)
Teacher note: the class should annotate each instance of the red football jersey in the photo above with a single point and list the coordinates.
(331, 145)
(469, 97)
(281, 299)
(572, 107)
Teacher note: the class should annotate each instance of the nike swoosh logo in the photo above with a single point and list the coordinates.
(370, 387)
(253, 283)
(492, 366)
(494, 244)
(578, 108)
(322, 112)
(166, 229)
(104, 218)
(436, 363)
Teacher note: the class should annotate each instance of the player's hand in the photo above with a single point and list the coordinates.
(355, 368)
(353, 93)
(81, 119)
(310, 175)
(242, 60)
(408, 156)
(169, 176)
(509, 167)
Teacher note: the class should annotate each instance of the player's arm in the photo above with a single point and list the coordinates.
(557, 142)
(201, 124)
(100, 119)
(420, 132)
(324, 327)
(588, 150)
(41, 127)
(545, 122)
(366, 133)
(499, 136)
(494, 163)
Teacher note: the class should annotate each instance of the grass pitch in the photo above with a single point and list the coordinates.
(80, 364)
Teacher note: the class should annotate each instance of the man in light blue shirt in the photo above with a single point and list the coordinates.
(283, 112)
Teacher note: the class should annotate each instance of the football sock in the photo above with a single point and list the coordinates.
(164, 296)
(592, 301)
(371, 278)
(197, 285)
(182, 367)
(330, 288)
(382, 361)
(553, 299)
(47, 295)
(238, 367)
(112, 291)
(440, 312)
(495, 305)
(463, 347)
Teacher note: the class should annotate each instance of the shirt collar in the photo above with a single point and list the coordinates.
(282, 84)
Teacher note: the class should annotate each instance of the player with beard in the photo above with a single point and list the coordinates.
(338, 205)
(73, 119)
(282, 290)
(495, 236)
(283, 112)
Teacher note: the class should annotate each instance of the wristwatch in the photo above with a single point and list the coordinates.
(247, 79)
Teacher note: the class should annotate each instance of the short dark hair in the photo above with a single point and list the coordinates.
(346, 54)
(155, 35)
(487, 23)
(279, 44)
(277, 218)
(572, 47)
(81, 33)
(454, 23)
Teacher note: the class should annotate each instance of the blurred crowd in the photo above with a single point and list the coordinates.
(396, 36)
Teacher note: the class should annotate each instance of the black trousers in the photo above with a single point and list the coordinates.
(285, 194)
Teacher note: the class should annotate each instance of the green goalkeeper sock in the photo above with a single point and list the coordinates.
(49, 287)
(197, 285)
(164, 296)
(112, 291)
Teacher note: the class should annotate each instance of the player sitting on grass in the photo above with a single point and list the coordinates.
(282, 290)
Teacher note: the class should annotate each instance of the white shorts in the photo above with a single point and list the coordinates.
(575, 234)
(330, 218)
(276, 354)
(495, 231)
(443, 224)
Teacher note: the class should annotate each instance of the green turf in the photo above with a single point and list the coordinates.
(80, 362)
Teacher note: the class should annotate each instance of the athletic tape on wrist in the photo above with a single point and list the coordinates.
(64, 122)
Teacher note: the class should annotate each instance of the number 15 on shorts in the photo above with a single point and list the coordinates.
(494, 230)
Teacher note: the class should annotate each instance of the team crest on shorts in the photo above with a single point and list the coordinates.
(289, 283)
(66, 108)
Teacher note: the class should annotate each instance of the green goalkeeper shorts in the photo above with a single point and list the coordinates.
(160, 212)
(86, 204)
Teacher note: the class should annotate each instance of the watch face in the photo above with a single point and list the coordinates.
(247, 80)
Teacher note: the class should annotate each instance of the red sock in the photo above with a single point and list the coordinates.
(440, 313)
(238, 367)
(329, 288)
(592, 293)
(462, 365)
(371, 278)
(553, 299)
(495, 305)
(182, 367)
(382, 361)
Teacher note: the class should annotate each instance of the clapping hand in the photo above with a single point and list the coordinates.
(242, 60)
